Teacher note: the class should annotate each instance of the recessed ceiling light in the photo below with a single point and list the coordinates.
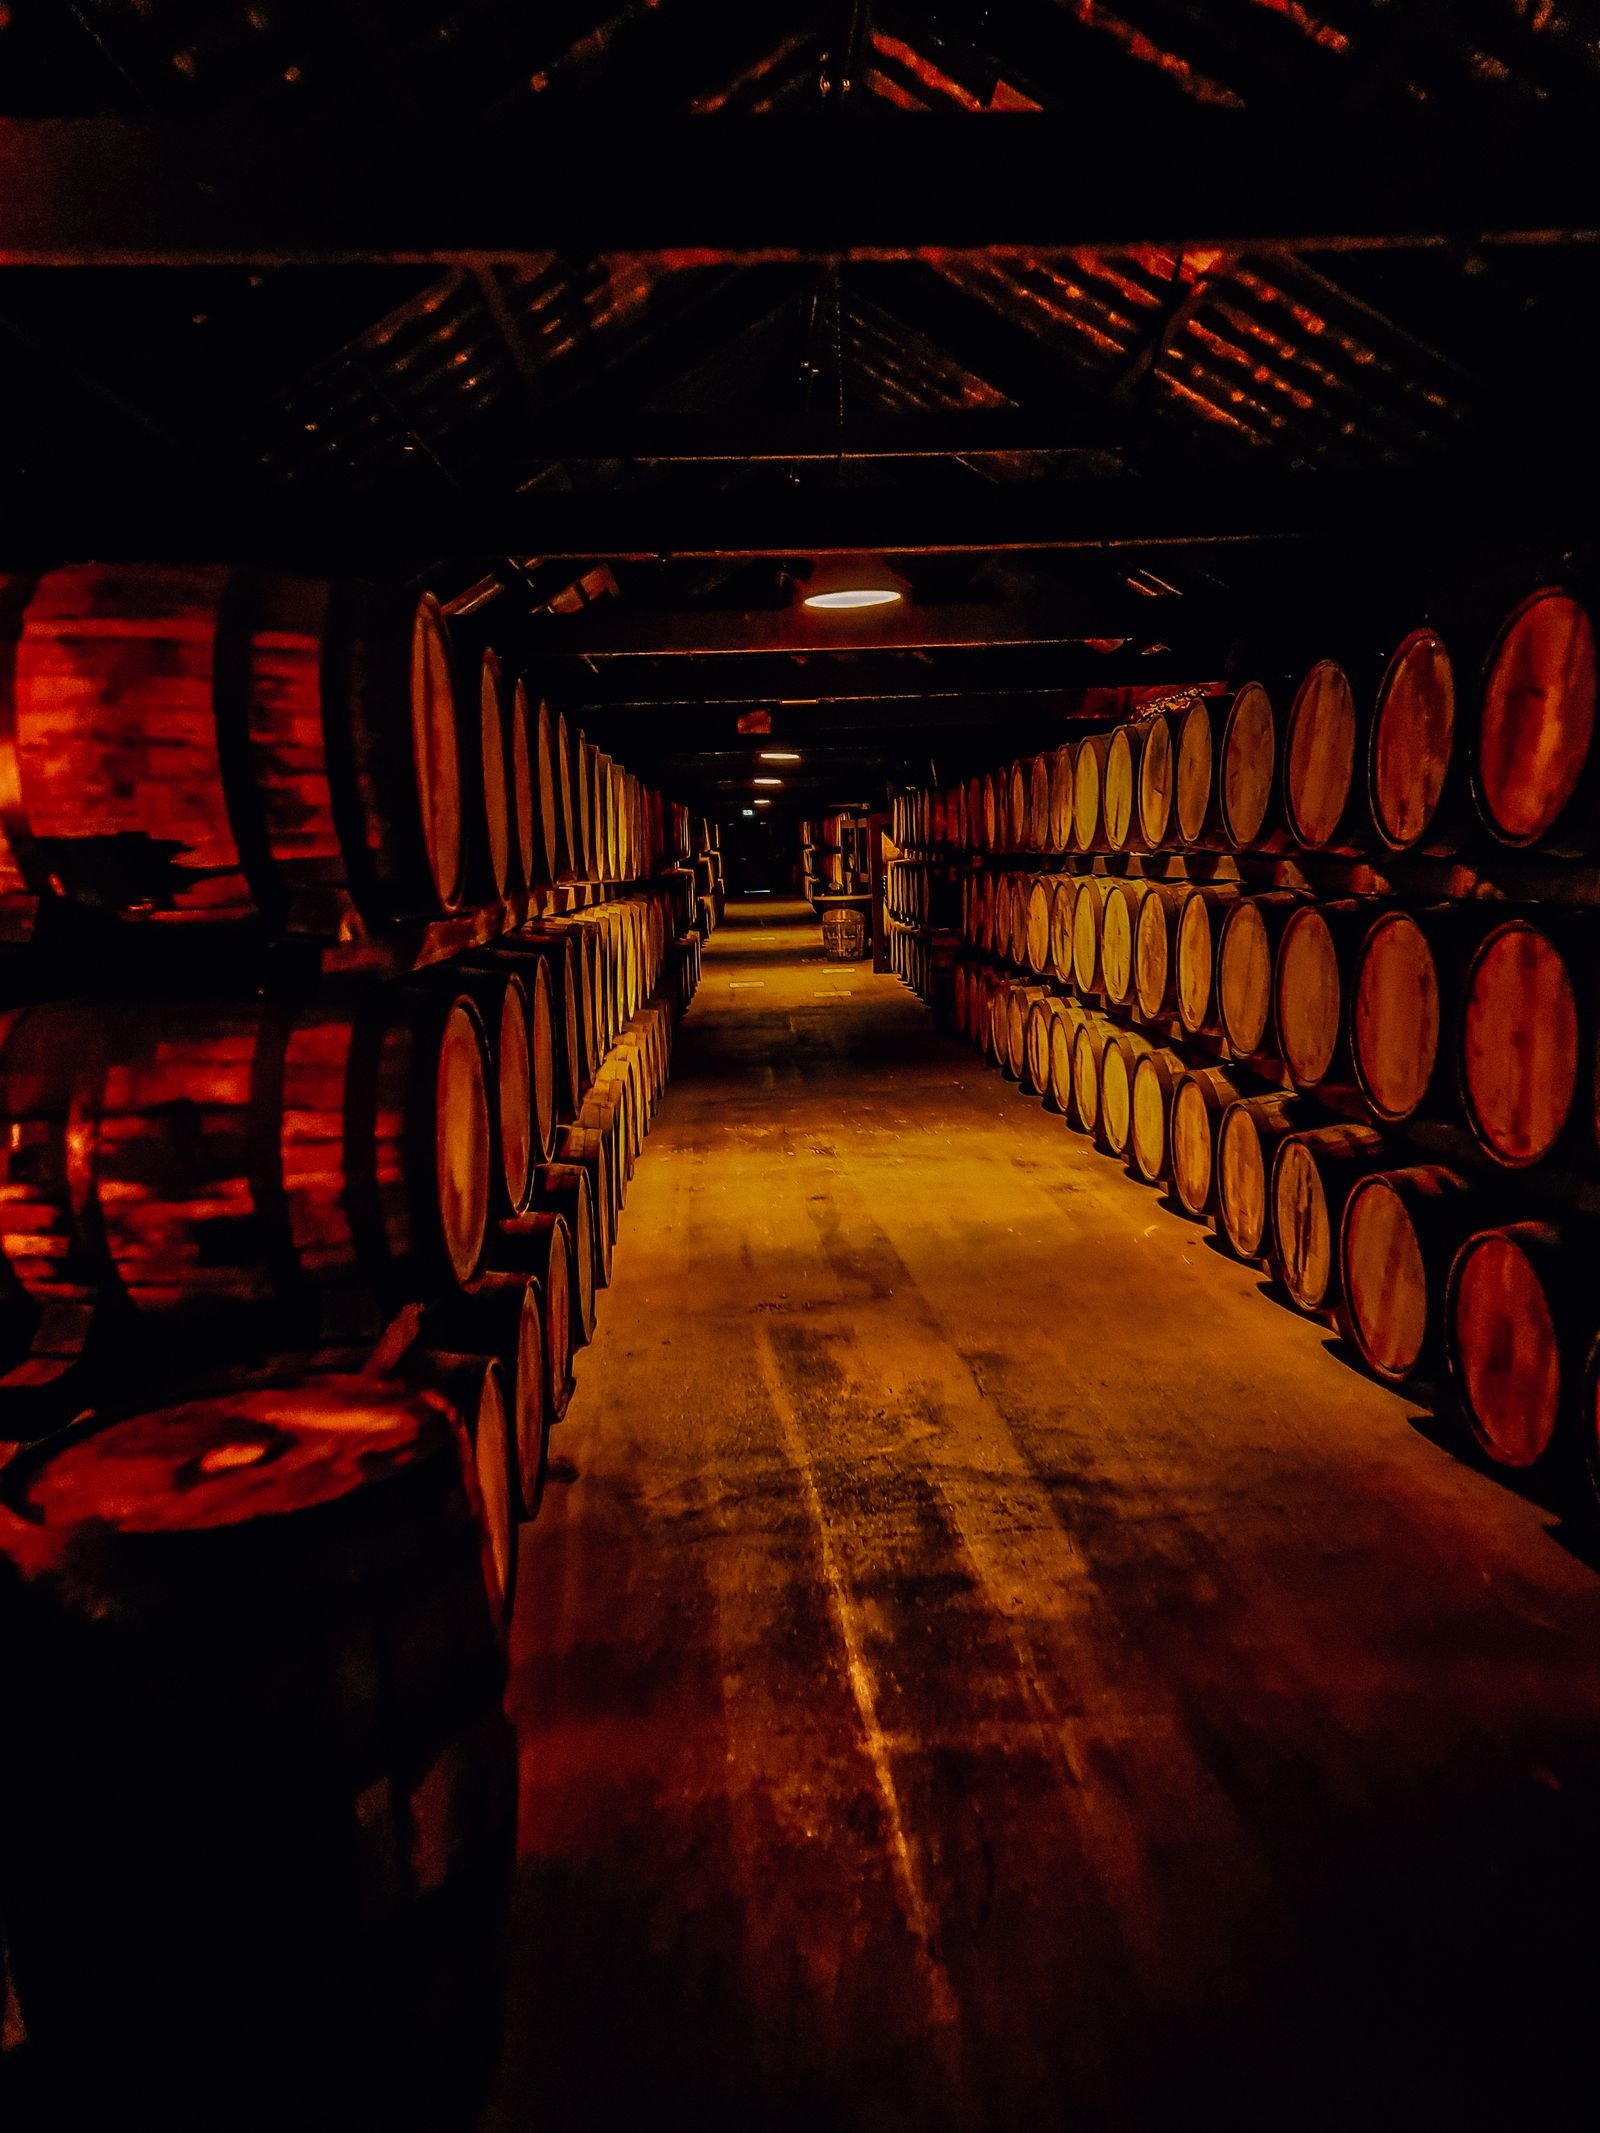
(763, 803)
(747, 810)
(766, 781)
(779, 755)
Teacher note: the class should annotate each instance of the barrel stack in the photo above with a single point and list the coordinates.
(1316, 957)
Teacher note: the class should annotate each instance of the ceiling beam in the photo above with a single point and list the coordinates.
(616, 632)
(106, 191)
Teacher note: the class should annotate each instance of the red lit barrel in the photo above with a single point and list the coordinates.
(1515, 1329)
(1413, 755)
(1524, 1034)
(194, 744)
(1324, 793)
(1533, 769)
(563, 1189)
(192, 1593)
(491, 832)
(1405, 980)
(588, 1146)
(1312, 1174)
(1398, 1238)
(503, 1316)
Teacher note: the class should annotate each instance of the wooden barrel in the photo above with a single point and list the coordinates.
(990, 814)
(1039, 803)
(1065, 1017)
(1156, 818)
(537, 1247)
(522, 788)
(576, 816)
(503, 1315)
(1119, 919)
(1312, 1174)
(1155, 1080)
(1533, 768)
(1088, 899)
(1119, 1059)
(1324, 791)
(475, 1387)
(1201, 1097)
(1413, 754)
(193, 744)
(503, 1000)
(996, 1032)
(548, 962)
(1398, 1238)
(1088, 792)
(1522, 1044)
(1036, 1046)
(217, 1853)
(1089, 1042)
(1247, 1140)
(1036, 924)
(1313, 990)
(1515, 1328)
(1017, 806)
(1405, 1001)
(564, 1189)
(1249, 800)
(604, 1109)
(1063, 896)
(1119, 807)
(1061, 796)
(1200, 915)
(1019, 1003)
(1155, 960)
(1196, 795)
(588, 1145)
(490, 829)
(1247, 951)
(51, 1058)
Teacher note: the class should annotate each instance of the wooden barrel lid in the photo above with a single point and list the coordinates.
(1385, 1278)
(1039, 803)
(1413, 739)
(1152, 951)
(1194, 777)
(462, 1142)
(1395, 1018)
(1120, 803)
(1088, 1044)
(216, 1463)
(494, 771)
(1520, 1044)
(530, 1429)
(1504, 1347)
(490, 1429)
(514, 1089)
(1116, 1094)
(1190, 1131)
(1087, 779)
(1157, 784)
(1037, 927)
(542, 1058)
(1061, 793)
(1086, 933)
(1017, 807)
(1241, 1182)
(1117, 920)
(1320, 755)
(1248, 769)
(1302, 1230)
(436, 750)
(1196, 954)
(1537, 728)
(1244, 977)
(1062, 898)
(1153, 1079)
(524, 791)
(1309, 997)
(1062, 1030)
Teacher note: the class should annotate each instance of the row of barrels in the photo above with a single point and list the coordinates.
(1359, 755)
(249, 1168)
(1470, 1013)
(214, 745)
(1423, 1272)
(920, 893)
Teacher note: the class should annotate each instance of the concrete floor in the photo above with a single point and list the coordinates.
(986, 1666)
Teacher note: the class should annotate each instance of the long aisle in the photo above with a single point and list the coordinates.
(982, 1665)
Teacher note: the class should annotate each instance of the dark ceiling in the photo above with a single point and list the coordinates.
(1223, 316)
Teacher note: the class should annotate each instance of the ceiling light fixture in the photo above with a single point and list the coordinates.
(848, 581)
(778, 755)
(763, 803)
(766, 781)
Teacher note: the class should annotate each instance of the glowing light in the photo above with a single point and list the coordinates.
(763, 803)
(779, 755)
(766, 781)
(840, 582)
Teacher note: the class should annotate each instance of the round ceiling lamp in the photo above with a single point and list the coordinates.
(851, 581)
